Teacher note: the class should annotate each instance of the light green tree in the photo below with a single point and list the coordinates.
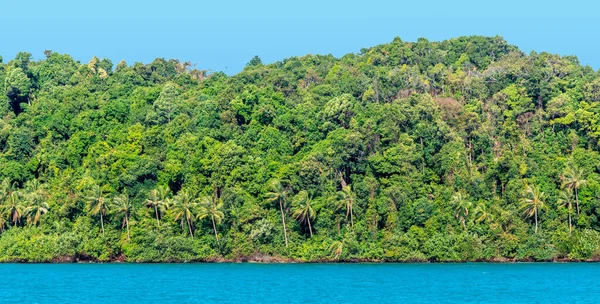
(159, 201)
(278, 194)
(565, 199)
(303, 210)
(210, 206)
(184, 208)
(98, 204)
(573, 179)
(532, 203)
(461, 208)
(123, 207)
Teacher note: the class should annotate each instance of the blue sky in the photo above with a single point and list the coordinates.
(224, 35)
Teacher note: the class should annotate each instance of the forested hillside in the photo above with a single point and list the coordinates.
(465, 149)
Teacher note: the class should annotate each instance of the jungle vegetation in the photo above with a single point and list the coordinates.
(461, 150)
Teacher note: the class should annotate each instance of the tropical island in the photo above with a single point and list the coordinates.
(461, 150)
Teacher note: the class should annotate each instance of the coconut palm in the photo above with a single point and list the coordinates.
(124, 208)
(573, 179)
(34, 186)
(336, 249)
(304, 209)
(158, 200)
(347, 200)
(212, 207)
(98, 204)
(6, 187)
(13, 207)
(532, 203)
(2, 223)
(461, 206)
(278, 194)
(184, 208)
(482, 214)
(36, 207)
(565, 199)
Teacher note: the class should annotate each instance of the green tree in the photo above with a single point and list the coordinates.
(461, 207)
(184, 208)
(158, 200)
(98, 204)
(212, 207)
(123, 208)
(14, 208)
(566, 200)
(278, 195)
(304, 211)
(482, 213)
(346, 199)
(36, 207)
(573, 179)
(532, 203)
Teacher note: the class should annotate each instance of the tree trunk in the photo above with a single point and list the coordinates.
(102, 223)
(536, 224)
(127, 224)
(157, 220)
(189, 227)
(351, 215)
(309, 226)
(283, 221)
(570, 226)
(215, 229)
(577, 200)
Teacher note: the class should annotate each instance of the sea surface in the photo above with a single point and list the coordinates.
(300, 283)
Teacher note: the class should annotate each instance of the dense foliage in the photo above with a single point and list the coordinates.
(466, 149)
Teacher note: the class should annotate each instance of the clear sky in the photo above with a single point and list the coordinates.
(224, 35)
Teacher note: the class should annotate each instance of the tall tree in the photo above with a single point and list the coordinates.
(211, 206)
(36, 207)
(158, 200)
(565, 199)
(461, 207)
(184, 209)
(14, 208)
(532, 202)
(347, 200)
(573, 179)
(98, 204)
(304, 211)
(278, 194)
(124, 208)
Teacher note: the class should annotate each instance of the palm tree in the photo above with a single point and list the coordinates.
(278, 194)
(183, 208)
(6, 187)
(14, 208)
(158, 200)
(336, 249)
(123, 207)
(532, 203)
(98, 204)
(34, 186)
(2, 223)
(482, 214)
(566, 199)
(347, 200)
(36, 208)
(462, 206)
(212, 207)
(304, 210)
(573, 179)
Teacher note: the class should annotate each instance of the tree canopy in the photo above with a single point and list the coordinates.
(464, 149)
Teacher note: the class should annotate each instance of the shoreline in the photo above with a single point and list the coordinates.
(263, 259)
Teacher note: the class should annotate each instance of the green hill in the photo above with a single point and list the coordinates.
(465, 149)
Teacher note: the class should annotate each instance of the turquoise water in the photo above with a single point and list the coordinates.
(300, 283)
